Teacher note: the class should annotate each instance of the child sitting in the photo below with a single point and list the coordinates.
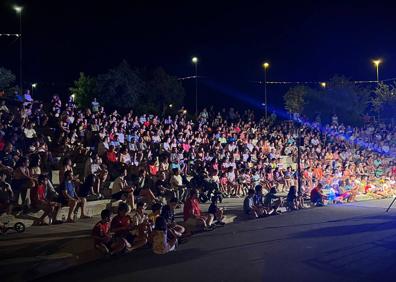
(218, 213)
(161, 243)
(102, 238)
(122, 226)
(250, 208)
(168, 212)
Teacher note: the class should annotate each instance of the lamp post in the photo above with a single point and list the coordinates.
(195, 62)
(265, 66)
(34, 85)
(18, 10)
(377, 63)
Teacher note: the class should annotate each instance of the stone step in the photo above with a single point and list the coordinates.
(93, 208)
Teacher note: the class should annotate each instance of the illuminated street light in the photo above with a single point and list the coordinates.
(265, 66)
(18, 10)
(323, 84)
(377, 62)
(194, 60)
(34, 85)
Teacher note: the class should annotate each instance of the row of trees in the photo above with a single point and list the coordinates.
(7, 81)
(149, 91)
(341, 96)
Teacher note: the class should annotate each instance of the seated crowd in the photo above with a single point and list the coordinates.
(162, 162)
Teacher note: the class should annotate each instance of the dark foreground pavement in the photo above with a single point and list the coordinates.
(355, 242)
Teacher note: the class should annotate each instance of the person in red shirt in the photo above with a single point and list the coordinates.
(123, 227)
(111, 155)
(102, 238)
(39, 201)
(193, 216)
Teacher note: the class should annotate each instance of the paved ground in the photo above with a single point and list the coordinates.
(355, 242)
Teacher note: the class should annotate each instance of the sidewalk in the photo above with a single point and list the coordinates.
(41, 250)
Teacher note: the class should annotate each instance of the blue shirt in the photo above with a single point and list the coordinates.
(69, 187)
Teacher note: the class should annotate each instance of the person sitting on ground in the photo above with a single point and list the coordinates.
(40, 201)
(317, 198)
(156, 212)
(250, 208)
(193, 217)
(258, 196)
(102, 239)
(218, 213)
(122, 191)
(122, 226)
(168, 212)
(294, 202)
(162, 242)
(68, 196)
(140, 221)
(272, 202)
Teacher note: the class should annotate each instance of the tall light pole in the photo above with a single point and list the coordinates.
(18, 10)
(265, 66)
(34, 85)
(195, 62)
(377, 63)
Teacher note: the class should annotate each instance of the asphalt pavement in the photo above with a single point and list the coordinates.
(354, 242)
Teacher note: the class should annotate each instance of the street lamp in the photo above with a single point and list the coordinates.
(195, 62)
(265, 66)
(323, 84)
(377, 63)
(18, 10)
(34, 85)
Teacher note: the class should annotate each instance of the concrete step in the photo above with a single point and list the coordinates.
(93, 208)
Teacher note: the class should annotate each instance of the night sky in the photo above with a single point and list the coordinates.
(302, 41)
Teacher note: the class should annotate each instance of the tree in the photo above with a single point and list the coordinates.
(7, 80)
(384, 99)
(342, 97)
(294, 99)
(84, 90)
(162, 90)
(120, 87)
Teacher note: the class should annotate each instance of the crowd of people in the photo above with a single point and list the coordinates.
(164, 162)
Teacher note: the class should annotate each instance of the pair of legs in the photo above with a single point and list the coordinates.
(133, 243)
(112, 247)
(256, 212)
(50, 209)
(177, 229)
(74, 204)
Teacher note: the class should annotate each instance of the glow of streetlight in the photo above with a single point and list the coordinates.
(377, 62)
(323, 84)
(170, 106)
(194, 60)
(265, 65)
(34, 85)
(18, 9)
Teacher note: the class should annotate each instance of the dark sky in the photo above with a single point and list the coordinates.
(308, 40)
